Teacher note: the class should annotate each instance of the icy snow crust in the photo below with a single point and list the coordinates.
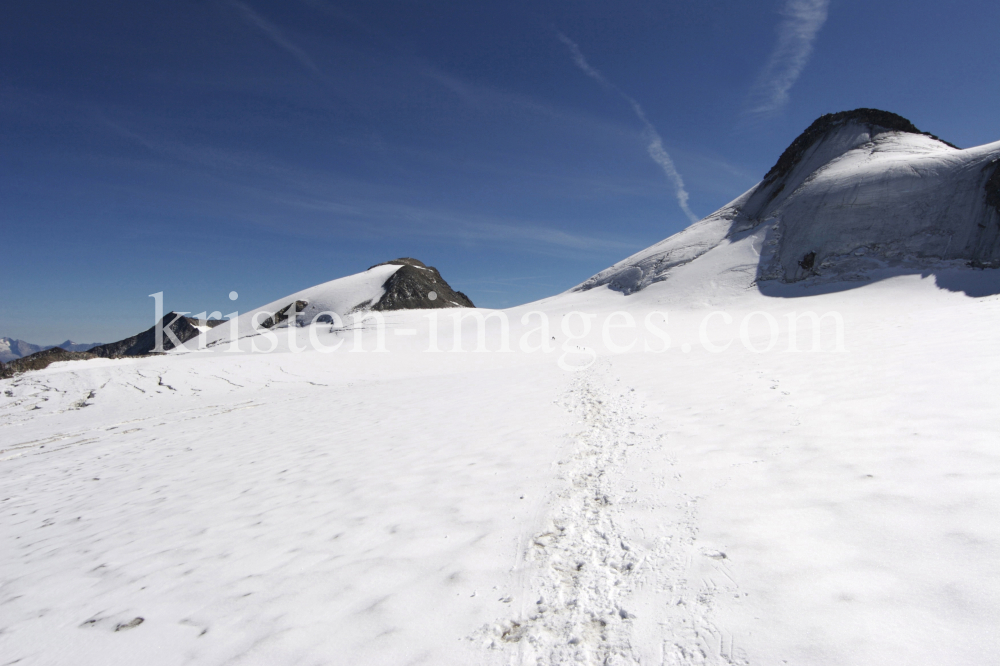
(860, 199)
(407, 507)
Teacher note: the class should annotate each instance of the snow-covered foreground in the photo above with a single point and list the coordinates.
(489, 508)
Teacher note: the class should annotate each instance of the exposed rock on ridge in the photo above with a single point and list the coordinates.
(828, 138)
(412, 287)
(875, 119)
(992, 186)
(283, 314)
(41, 360)
(141, 344)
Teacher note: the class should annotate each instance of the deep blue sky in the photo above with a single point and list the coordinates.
(201, 146)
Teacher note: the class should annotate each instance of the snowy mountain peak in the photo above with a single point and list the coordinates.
(399, 284)
(11, 349)
(71, 346)
(872, 121)
(857, 191)
(830, 137)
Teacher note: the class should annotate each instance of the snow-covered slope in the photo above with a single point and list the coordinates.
(693, 506)
(692, 475)
(340, 296)
(858, 191)
(377, 289)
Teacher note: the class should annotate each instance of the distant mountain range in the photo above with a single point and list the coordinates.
(34, 357)
(11, 349)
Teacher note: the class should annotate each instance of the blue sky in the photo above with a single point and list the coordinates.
(197, 147)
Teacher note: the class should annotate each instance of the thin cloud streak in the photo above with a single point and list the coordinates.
(796, 35)
(488, 99)
(655, 147)
(581, 62)
(210, 163)
(418, 221)
(272, 32)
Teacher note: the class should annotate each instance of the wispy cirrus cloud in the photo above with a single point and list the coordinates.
(411, 220)
(796, 35)
(274, 34)
(655, 147)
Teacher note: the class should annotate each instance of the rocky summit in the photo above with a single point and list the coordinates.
(416, 286)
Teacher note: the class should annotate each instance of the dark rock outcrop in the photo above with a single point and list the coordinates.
(40, 360)
(993, 187)
(141, 344)
(282, 314)
(808, 261)
(416, 286)
(875, 119)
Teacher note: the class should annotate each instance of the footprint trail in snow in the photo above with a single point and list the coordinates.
(594, 565)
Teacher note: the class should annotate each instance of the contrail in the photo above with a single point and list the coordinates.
(655, 148)
(803, 20)
(272, 32)
(582, 63)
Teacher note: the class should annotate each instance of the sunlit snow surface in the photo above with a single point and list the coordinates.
(338, 297)
(490, 508)
(855, 202)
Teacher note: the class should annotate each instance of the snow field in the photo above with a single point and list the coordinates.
(678, 508)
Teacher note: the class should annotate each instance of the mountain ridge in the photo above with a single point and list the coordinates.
(12, 349)
(143, 343)
(857, 191)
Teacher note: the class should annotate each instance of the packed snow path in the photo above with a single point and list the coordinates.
(583, 562)
(594, 556)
